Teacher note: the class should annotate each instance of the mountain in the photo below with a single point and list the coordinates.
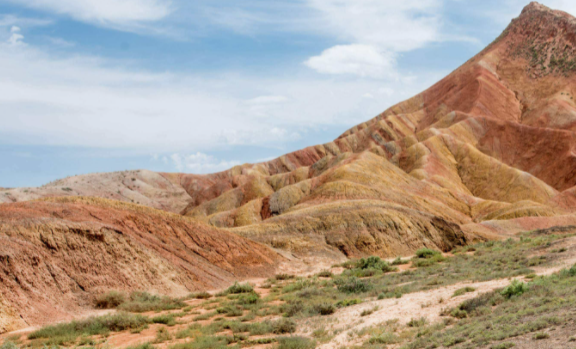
(486, 152)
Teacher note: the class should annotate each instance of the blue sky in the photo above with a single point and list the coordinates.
(200, 86)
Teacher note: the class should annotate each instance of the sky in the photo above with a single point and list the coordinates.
(200, 86)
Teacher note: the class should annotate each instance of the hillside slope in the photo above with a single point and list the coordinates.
(57, 254)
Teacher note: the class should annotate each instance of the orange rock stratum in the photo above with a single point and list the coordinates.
(486, 152)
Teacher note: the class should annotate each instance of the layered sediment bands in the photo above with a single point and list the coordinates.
(56, 255)
(492, 142)
(356, 228)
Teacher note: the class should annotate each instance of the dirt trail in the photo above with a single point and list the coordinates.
(428, 304)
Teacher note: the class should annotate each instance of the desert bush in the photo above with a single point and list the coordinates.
(201, 295)
(324, 308)
(293, 307)
(515, 288)
(348, 302)
(162, 335)
(284, 326)
(110, 300)
(280, 277)
(239, 288)
(309, 292)
(230, 311)
(141, 302)
(384, 338)
(572, 270)
(260, 328)
(374, 263)
(92, 326)
(353, 285)
(426, 253)
(367, 312)
(388, 295)
(247, 299)
(8, 345)
(165, 319)
(399, 261)
(417, 322)
(540, 335)
(462, 291)
(325, 274)
(506, 345)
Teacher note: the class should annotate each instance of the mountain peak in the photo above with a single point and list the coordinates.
(535, 6)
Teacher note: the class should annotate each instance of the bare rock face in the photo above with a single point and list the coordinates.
(56, 255)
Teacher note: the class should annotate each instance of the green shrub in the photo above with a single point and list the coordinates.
(162, 335)
(165, 319)
(348, 302)
(284, 326)
(110, 300)
(353, 285)
(325, 274)
(8, 345)
(141, 302)
(240, 288)
(426, 253)
(462, 291)
(506, 345)
(515, 288)
(201, 295)
(250, 298)
(540, 335)
(375, 263)
(367, 312)
(292, 308)
(230, 311)
(572, 270)
(92, 326)
(324, 308)
(309, 292)
(417, 322)
(295, 343)
(399, 261)
(459, 313)
(385, 338)
(284, 277)
(260, 328)
(389, 295)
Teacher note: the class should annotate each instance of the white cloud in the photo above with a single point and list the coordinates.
(390, 24)
(260, 100)
(374, 32)
(85, 101)
(200, 163)
(15, 36)
(104, 11)
(361, 60)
